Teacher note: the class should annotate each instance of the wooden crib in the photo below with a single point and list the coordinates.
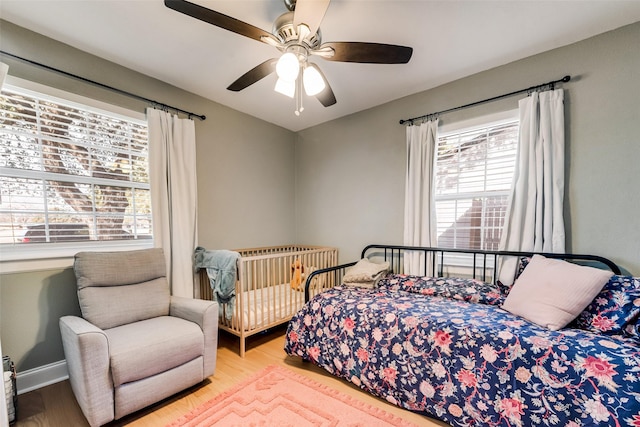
(264, 297)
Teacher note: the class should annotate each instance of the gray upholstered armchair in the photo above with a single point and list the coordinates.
(135, 343)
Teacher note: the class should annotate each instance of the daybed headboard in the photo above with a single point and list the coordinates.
(476, 264)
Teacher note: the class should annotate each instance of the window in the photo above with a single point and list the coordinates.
(474, 172)
(70, 173)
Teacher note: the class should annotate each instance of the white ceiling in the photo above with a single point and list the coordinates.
(451, 39)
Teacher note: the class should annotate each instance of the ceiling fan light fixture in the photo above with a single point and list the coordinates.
(288, 67)
(313, 81)
(286, 87)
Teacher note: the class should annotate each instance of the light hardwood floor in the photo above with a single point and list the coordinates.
(55, 405)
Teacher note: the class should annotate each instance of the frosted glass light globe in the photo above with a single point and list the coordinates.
(288, 67)
(313, 81)
(286, 87)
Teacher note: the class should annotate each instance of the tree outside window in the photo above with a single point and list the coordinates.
(69, 172)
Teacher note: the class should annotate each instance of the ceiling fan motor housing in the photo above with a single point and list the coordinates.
(284, 29)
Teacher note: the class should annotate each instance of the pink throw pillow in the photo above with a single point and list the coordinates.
(551, 292)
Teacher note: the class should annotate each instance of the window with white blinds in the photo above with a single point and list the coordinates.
(70, 173)
(474, 172)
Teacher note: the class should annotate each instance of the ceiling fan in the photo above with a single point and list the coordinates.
(296, 34)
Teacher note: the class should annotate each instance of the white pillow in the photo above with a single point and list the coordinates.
(365, 271)
(551, 292)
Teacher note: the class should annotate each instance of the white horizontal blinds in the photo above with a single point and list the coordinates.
(474, 172)
(70, 172)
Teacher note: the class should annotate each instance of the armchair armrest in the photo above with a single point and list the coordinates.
(205, 314)
(86, 350)
(194, 310)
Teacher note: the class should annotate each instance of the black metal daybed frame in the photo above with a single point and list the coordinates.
(482, 261)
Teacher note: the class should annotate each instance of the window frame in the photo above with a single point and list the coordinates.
(469, 125)
(39, 256)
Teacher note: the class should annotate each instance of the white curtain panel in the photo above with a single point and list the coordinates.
(4, 69)
(419, 205)
(172, 168)
(535, 219)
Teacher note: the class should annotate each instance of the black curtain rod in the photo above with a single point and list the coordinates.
(473, 104)
(111, 88)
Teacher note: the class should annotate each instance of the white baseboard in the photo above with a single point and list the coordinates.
(41, 376)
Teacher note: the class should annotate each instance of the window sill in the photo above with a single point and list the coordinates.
(34, 257)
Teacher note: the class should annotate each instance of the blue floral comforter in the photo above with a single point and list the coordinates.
(445, 348)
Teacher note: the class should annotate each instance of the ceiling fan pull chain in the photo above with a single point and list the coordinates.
(299, 106)
(300, 93)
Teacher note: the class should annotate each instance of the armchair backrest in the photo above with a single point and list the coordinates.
(116, 288)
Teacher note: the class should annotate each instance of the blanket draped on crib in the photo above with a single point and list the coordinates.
(222, 269)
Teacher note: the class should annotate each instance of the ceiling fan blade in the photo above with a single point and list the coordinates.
(310, 13)
(368, 53)
(218, 19)
(254, 75)
(326, 97)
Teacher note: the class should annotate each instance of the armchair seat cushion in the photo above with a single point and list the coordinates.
(149, 347)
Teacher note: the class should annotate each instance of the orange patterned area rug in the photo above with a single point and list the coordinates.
(277, 396)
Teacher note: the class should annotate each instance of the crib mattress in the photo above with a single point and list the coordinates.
(266, 306)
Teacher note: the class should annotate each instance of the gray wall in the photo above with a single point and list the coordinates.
(347, 189)
(350, 177)
(31, 304)
(245, 185)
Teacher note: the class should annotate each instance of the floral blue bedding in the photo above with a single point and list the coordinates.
(444, 347)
